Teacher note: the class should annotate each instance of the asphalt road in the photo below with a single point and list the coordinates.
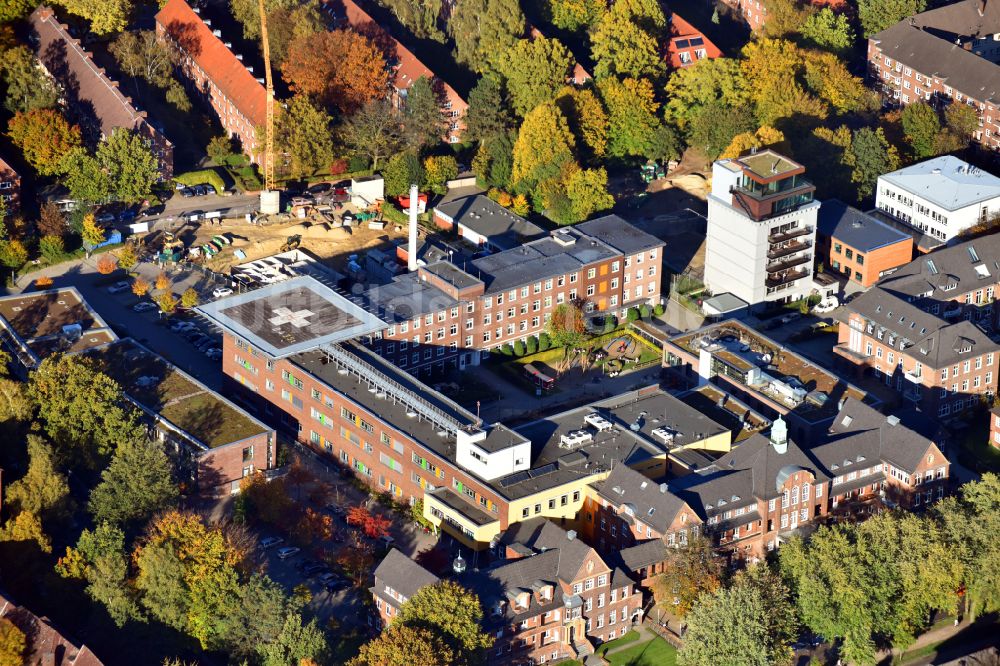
(177, 207)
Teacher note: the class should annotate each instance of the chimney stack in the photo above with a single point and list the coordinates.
(411, 249)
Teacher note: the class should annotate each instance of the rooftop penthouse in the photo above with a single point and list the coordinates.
(763, 184)
(761, 372)
(41, 323)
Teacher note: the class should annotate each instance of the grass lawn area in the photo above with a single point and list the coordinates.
(976, 452)
(656, 652)
(630, 637)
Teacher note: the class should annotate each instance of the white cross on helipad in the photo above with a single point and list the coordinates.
(298, 319)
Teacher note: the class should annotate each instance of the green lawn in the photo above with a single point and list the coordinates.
(656, 652)
(630, 637)
(976, 452)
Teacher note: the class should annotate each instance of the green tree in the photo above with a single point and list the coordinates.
(220, 148)
(298, 642)
(487, 116)
(14, 402)
(137, 483)
(535, 69)
(828, 30)
(544, 145)
(574, 15)
(11, 10)
(877, 15)
(728, 626)
(784, 17)
(373, 131)
(870, 156)
(716, 127)
(28, 87)
(130, 164)
(621, 47)
(962, 119)
(402, 645)
(452, 613)
(715, 81)
(423, 122)
(285, 26)
(43, 490)
(106, 16)
(632, 119)
(587, 191)
(401, 171)
(587, 119)
(494, 161)
(419, 16)
(141, 55)
(82, 409)
(13, 644)
(85, 178)
(44, 138)
(483, 31)
(922, 127)
(303, 132)
(247, 14)
(99, 559)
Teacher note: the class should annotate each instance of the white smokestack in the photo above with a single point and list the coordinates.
(411, 251)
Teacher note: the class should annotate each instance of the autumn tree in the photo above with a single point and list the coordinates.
(14, 402)
(574, 15)
(11, 11)
(452, 613)
(106, 265)
(689, 571)
(715, 82)
(44, 137)
(83, 410)
(189, 298)
(50, 222)
(92, 232)
(534, 70)
(167, 302)
(247, 14)
(43, 490)
(962, 120)
(266, 501)
(483, 31)
(137, 483)
(13, 254)
(625, 42)
(784, 18)
(373, 131)
(828, 30)
(140, 286)
(106, 16)
(339, 68)
(13, 644)
(303, 132)
(357, 563)
(576, 194)
(776, 68)
(544, 145)
(285, 25)
(438, 170)
(28, 86)
(423, 121)
(566, 327)
(586, 118)
(764, 137)
(403, 645)
(26, 527)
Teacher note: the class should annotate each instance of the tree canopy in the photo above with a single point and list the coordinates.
(138, 482)
(452, 613)
(45, 138)
(28, 86)
(535, 69)
(484, 30)
(337, 68)
(303, 131)
(544, 144)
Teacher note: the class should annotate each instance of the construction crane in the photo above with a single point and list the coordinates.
(268, 197)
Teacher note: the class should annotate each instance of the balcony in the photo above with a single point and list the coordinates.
(790, 262)
(786, 278)
(790, 248)
(783, 236)
(913, 376)
(912, 394)
(764, 201)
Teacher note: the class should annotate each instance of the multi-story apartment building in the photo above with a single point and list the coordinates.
(860, 247)
(761, 229)
(397, 579)
(406, 68)
(754, 497)
(10, 187)
(485, 223)
(940, 197)
(217, 75)
(761, 373)
(90, 95)
(445, 316)
(944, 56)
(944, 367)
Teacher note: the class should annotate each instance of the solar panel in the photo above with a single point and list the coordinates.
(544, 469)
(697, 41)
(516, 477)
(682, 43)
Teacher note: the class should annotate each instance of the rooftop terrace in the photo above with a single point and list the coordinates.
(162, 389)
(727, 410)
(767, 164)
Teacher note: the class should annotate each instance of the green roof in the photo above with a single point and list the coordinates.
(768, 164)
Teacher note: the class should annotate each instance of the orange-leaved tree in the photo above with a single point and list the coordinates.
(106, 264)
(339, 68)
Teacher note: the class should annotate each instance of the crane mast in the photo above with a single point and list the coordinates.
(269, 198)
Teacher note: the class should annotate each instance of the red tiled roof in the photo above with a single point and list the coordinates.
(407, 68)
(681, 35)
(83, 81)
(7, 171)
(220, 64)
(47, 647)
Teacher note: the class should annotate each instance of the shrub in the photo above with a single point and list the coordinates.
(644, 310)
(610, 323)
(506, 349)
(106, 265)
(518, 348)
(544, 342)
(43, 282)
(209, 176)
(339, 166)
(532, 345)
(51, 248)
(632, 314)
(658, 309)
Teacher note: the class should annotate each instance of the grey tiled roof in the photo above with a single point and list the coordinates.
(541, 535)
(966, 18)
(650, 502)
(503, 228)
(402, 574)
(859, 430)
(643, 554)
(955, 265)
(619, 234)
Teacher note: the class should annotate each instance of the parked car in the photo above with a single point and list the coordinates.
(199, 190)
(144, 306)
(182, 326)
(286, 552)
(790, 317)
(126, 216)
(118, 287)
(335, 509)
(336, 586)
(270, 542)
(105, 218)
(202, 345)
(194, 333)
(316, 568)
(319, 188)
(212, 351)
(328, 577)
(222, 292)
(187, 192)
